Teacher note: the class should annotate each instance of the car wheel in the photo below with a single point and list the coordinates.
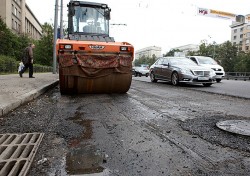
(175, 78)
(207, 84)
(136, 74)
(218, 80)
(152, 77)
(140, 74)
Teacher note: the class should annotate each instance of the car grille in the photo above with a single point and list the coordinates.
(202, 73)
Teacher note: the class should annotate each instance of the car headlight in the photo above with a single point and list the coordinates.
(212, 73)
(186, 71)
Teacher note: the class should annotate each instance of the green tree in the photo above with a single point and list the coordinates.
(192, 53)
(203, 49)
(44, 47)
(227, 55)
(171, 52)
(243, 62)
(151, 60)
(6, 38)
(22, 42)
(145, 60)
(11, 44)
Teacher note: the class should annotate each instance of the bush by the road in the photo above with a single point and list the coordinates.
(9, 65)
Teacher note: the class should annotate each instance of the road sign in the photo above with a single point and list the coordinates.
(222, 15)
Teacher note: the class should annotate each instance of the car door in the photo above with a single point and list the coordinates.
(165, 69)
(157, 69)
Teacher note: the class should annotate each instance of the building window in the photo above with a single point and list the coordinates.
(13, 23)
(235, 30)
(247, 41)
(15, 12)
(234, 43)
(241, 35)
(235, 37)
(240, 43)
(247, 47)
(241, 29)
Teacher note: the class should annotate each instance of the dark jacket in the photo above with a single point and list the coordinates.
(27, 55)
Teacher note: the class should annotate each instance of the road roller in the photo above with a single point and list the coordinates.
(89, 60)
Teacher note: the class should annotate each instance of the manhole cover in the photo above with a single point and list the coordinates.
(17, 152)
(235, 126)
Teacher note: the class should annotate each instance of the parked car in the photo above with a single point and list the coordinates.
(142, 70)
(209, 63)
(181, 70)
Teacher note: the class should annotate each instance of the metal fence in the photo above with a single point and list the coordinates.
(9, 67)
(238, 75)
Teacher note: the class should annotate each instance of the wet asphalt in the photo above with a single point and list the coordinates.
(153, 129)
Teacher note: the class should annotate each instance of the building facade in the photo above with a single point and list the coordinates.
(186, 48)
(19, 18)
(148, 52)
(240, 35)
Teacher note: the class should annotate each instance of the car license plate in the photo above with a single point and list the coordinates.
(203, 78)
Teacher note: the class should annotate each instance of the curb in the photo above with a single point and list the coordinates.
(23, 99)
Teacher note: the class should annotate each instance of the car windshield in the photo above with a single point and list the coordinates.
(181, 61)
(207, 60)
(90, 20)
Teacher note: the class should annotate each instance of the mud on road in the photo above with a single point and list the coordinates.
(154, 129)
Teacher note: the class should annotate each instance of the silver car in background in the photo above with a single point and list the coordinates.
(181, 70)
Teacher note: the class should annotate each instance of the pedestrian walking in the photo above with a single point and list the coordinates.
(28, 60)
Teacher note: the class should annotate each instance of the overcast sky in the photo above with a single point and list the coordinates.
(163, 23)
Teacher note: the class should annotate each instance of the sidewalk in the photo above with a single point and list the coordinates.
(15, 91)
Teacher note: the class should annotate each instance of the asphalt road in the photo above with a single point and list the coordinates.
(237, 88)
(152, 130)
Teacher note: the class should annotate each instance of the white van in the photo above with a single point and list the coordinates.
(209, 63)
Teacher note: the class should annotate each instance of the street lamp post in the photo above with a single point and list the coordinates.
(214, 49)
(61, 21)
(55, 36)
(213, 46)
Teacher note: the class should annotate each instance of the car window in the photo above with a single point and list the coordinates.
(165, 61)
(160, 62)
(193, 59)
(207, 60)
(181, 61)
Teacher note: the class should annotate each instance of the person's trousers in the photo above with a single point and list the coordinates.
(26, 66)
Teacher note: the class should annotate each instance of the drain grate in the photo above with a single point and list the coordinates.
(17, 152)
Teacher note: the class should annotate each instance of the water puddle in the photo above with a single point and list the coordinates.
(83, 158)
